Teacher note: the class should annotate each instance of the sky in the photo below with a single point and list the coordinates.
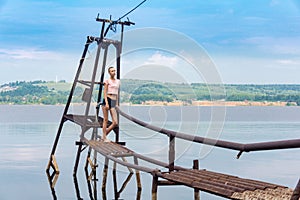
(248, 41)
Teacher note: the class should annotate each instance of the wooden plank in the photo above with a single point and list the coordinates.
(221, 184)
(110, 148)
(240, 181)
(225, 179)
(115, 150)
(203, 186)
(255, 182)
(80, 120)
(214, 182)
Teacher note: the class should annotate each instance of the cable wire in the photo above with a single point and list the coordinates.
(131, 10)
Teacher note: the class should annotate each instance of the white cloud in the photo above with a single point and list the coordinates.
(158, 58)
(283, 45)
(258, 70)
(30, 53)
(288, 62)
(35, 64)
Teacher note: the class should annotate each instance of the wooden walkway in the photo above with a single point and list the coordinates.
(228, 186)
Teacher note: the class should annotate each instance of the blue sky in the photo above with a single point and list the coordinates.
(255, 41)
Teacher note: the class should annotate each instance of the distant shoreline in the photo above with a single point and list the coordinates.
(214, 103)
(143, 93)
(182, 103)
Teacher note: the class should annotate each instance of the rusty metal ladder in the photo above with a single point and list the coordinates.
(85, 120)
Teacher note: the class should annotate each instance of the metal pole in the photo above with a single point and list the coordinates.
(118, 49)
(88, 42)
(101, 79)
(90, 91)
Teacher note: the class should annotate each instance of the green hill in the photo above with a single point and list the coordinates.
(139, 91)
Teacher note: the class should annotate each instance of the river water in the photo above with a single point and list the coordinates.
(27, 135)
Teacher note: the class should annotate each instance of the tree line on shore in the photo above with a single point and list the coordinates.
(140, 91)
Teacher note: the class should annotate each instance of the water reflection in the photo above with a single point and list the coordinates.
(52, 179)
(92, 184)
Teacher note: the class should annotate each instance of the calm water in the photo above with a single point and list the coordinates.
(27, 135)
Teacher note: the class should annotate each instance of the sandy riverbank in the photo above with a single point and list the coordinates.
(214, 103)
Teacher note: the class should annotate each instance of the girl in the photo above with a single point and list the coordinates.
(111, 91)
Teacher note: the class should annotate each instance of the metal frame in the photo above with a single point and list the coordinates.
(83, 120)
(87, 122)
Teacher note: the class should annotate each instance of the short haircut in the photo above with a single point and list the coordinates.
(110, 68)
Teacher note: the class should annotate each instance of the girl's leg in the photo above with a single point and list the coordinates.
(114, 118)
(105, 120)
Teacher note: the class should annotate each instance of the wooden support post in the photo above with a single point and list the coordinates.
(77, 158)
(115, 181)
(138, 177)
(117, 132)
(104, 180)
(104, 195)
(139, 195)
(95, 188)
(171, 153)
(296, 193)
(89, 162)
(92, 175)
(154, 187)
(196, 191)
(54, 164)
(95, 165)
(52, 178)
(116, 192)
(92, 184)
(125, 184)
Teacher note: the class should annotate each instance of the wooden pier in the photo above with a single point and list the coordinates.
(228, 186)
(224, 185)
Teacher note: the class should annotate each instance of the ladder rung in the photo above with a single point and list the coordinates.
(88, 83)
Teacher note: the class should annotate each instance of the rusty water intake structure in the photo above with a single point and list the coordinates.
(90, 123)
